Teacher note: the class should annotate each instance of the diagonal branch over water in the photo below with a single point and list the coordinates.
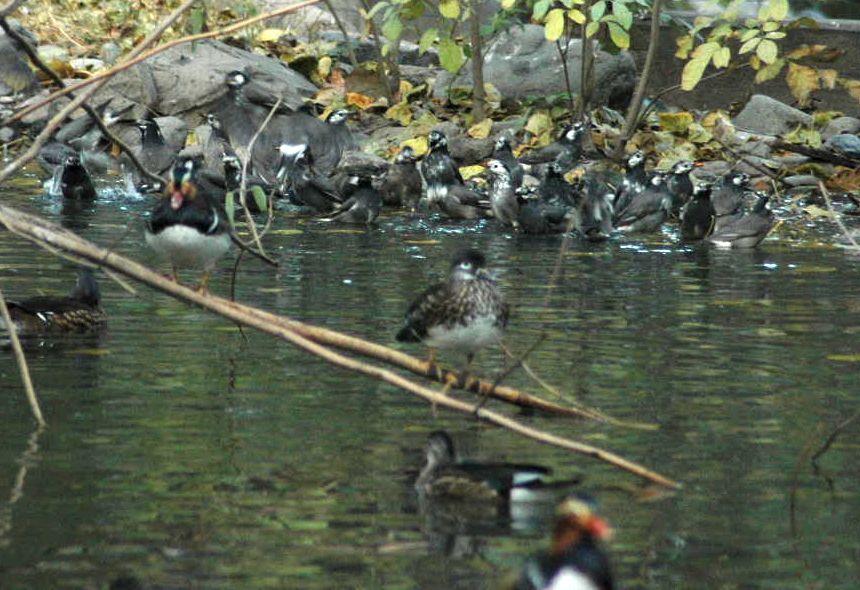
(44, 233)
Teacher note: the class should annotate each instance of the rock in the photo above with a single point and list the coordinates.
(15, 73)
(521, 62)
(762, 114)
(791, 160)
(755, 148)
(801, 180)
(845, 144)
(841, 125)
(468, 151)
(7, 134)
(110, 52)
(418, 75)
(183, 82)
(713, 169)
(49, 53)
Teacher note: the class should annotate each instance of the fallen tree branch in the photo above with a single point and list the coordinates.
(832, 437)
(815, 154)
(136, 58)
(43, 232)
(22, 362)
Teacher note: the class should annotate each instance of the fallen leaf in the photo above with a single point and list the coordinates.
(481, 130)
(401, 112)
(468, 172)
(418, 145)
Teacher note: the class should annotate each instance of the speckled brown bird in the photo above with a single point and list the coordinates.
(465, 313)
(77, 312)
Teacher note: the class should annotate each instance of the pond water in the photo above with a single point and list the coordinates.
(181, 454)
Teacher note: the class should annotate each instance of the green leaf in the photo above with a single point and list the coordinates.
(401, 112)
(392, 28)
(675, 122)
(749, 46)
(230, 206)
(778, 9)
(619, 36)
(508, 4)
(449, 8)
(706, 50)
(554, 24)
(576, 16)
(592, 28)
(623, 14)
(538, 124)
(260, 197)
(685, 45)
(693, 72)
(598, 9)
(770, 26)
(722, 57)
(427, 39)
(540, 9)
(451, 55)
(197, 19)
(776, 35)
(767, 51)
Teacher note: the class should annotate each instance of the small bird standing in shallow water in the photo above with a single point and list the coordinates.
(78, 312)
(575, 560)
(503, 199)
(188, 226)
(465, 313)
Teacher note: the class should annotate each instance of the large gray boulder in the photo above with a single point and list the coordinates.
(520, 62)
(183, 80)
(766, 116)
(15, 73)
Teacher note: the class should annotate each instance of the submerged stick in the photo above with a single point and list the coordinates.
(24, 369)
(43, 232)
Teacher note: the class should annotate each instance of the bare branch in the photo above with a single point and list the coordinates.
(22, 362)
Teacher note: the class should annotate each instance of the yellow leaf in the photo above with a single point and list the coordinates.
(815, 211)
(685, 45)
(449, 8)
(324, 66)
(508, 4)
(481, 130)
(767, 51)
(406, 87)
(844, 358)
(538, 124)
(576, 16)
(770, 71)
(418, 145)
(852, 87)
(270, 35)
(693, 72)
(802, 81)
(778, 9)
(286, 232)
(828, 78)
(191, 139)
(675, 122)
(554, 24)
(722, 57)
(468, 172)
(401, 112)
(421, 242)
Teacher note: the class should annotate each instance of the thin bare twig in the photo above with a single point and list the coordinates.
(832, 437)
(255, 236)
(41, 231)
(22, 362)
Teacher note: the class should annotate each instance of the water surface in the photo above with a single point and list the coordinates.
(189, 457)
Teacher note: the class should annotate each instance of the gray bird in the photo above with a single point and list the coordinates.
(502, 151)
(438, 168)
(310, 188)
(680, 185)
(594, 211)
(647, 210)
(635, 179)
(697, 216)
(747, 230)
(567, 149)
(503, 198)
(362, 206)
(401, 186)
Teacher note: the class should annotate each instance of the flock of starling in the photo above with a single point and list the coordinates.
(316, 164)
